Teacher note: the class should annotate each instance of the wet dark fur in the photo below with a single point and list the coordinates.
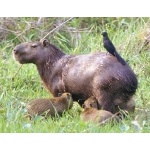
(99, 75)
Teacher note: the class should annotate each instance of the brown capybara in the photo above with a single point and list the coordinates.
(100, 75)
(98, 116)
(50, 107)
(129, 106)
(91, 102)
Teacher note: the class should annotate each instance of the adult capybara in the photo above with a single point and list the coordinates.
(98, 116)
(50, 107)
(100, 75)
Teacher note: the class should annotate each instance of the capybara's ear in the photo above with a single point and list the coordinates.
(44, 42)
(68, 95)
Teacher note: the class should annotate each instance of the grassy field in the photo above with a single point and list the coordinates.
(128, 35)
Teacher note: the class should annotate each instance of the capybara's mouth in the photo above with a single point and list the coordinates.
(18, 58)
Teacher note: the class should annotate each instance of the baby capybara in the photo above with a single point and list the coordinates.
(50, 107)
(91, 103)
(100, 75)
(98, 116)
(129, 106)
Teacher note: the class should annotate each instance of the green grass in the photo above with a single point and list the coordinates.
(128, 36)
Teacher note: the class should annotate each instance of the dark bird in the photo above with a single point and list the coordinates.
(108, 45)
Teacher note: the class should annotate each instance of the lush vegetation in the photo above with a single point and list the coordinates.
(80, 35)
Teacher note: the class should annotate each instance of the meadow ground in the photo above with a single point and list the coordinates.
(127, 34)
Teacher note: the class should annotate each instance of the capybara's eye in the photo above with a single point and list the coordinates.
(34, 45)
(83, 105)
(90, 105)
(68, 95)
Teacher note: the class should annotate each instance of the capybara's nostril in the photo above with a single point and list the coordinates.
(15, 51)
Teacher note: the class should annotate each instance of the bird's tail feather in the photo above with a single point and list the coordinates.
(120, 59)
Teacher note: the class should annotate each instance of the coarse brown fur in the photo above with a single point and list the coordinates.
(129, 106)
(99, 75)
(98, 116)
(91, 102)
(50, 107)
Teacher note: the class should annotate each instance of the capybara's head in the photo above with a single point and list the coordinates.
(91, 103)
(68, 98)
(35, 52)
(29, 52)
